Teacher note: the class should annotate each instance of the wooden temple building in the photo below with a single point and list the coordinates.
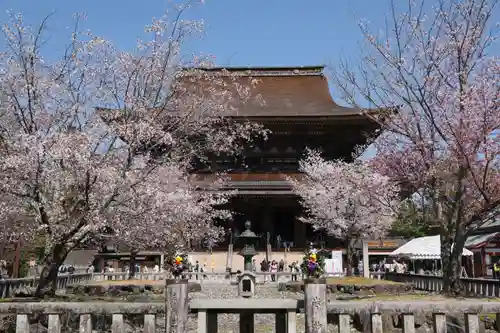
(300, 112)
(484, 242)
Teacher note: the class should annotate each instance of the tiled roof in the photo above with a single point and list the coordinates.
(478, 240)
(80, 257)
(301, 91)
(290, 92)
(492, 220)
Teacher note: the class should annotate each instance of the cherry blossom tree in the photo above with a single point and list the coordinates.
(433, 75)
(165, 213)
(75, 170)
(347, 200)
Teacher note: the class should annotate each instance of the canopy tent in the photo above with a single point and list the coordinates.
(428, 247)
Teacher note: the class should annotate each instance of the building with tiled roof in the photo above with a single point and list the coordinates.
(300, 112)
(484, 242)
(295, 104)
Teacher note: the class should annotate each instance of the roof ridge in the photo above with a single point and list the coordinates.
(268, 71)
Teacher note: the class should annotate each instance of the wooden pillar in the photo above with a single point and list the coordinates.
(484, 270)
(268, 224)
(17, 260)
(315, 305)
(299, 234)
(101, 264)
(176, 306)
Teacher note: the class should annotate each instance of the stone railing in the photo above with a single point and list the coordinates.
(432, 283)
(377, 275)
(285, 311)
(261, 277)
(202, 277)
(8, 287)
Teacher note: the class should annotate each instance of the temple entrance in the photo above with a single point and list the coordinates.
(283, 228)
(275, 219)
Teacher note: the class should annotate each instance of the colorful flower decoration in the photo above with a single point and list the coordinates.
(313, 264)
(180, 263)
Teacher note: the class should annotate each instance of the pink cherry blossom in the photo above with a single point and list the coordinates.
(347, 200)
(101, 140)
(435, 77)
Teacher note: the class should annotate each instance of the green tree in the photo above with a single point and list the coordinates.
(412, 222)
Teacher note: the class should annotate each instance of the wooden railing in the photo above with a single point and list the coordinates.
(285, 311)
(432, 283)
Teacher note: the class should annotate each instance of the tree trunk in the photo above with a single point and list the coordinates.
(451, 255)
(48, 277)
(133, 255)
(349, 256)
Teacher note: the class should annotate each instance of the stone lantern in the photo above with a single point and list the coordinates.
(246, 280)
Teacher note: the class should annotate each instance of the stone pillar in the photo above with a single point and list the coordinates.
(366, 263)
(246, 322)
(315, 305)
(176, 306)
(162, 262)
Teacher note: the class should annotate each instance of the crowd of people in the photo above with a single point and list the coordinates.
(273, 266)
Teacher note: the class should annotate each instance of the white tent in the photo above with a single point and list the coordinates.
(428, 247)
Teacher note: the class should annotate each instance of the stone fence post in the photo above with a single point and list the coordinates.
(176, 306)
(315, 305)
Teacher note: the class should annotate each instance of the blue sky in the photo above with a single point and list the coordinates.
(238, 33)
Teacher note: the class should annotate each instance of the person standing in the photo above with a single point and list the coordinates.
(264, 267)
(3, 270)
(196, 269)
(496, 270)
(274, 270)
(294, 268)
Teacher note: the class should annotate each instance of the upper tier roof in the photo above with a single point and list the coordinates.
(275, 92)
(286, 92)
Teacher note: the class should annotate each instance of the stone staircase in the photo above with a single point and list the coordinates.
(218, 260)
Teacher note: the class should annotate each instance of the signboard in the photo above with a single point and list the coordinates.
(377, 244)
(337, 263)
